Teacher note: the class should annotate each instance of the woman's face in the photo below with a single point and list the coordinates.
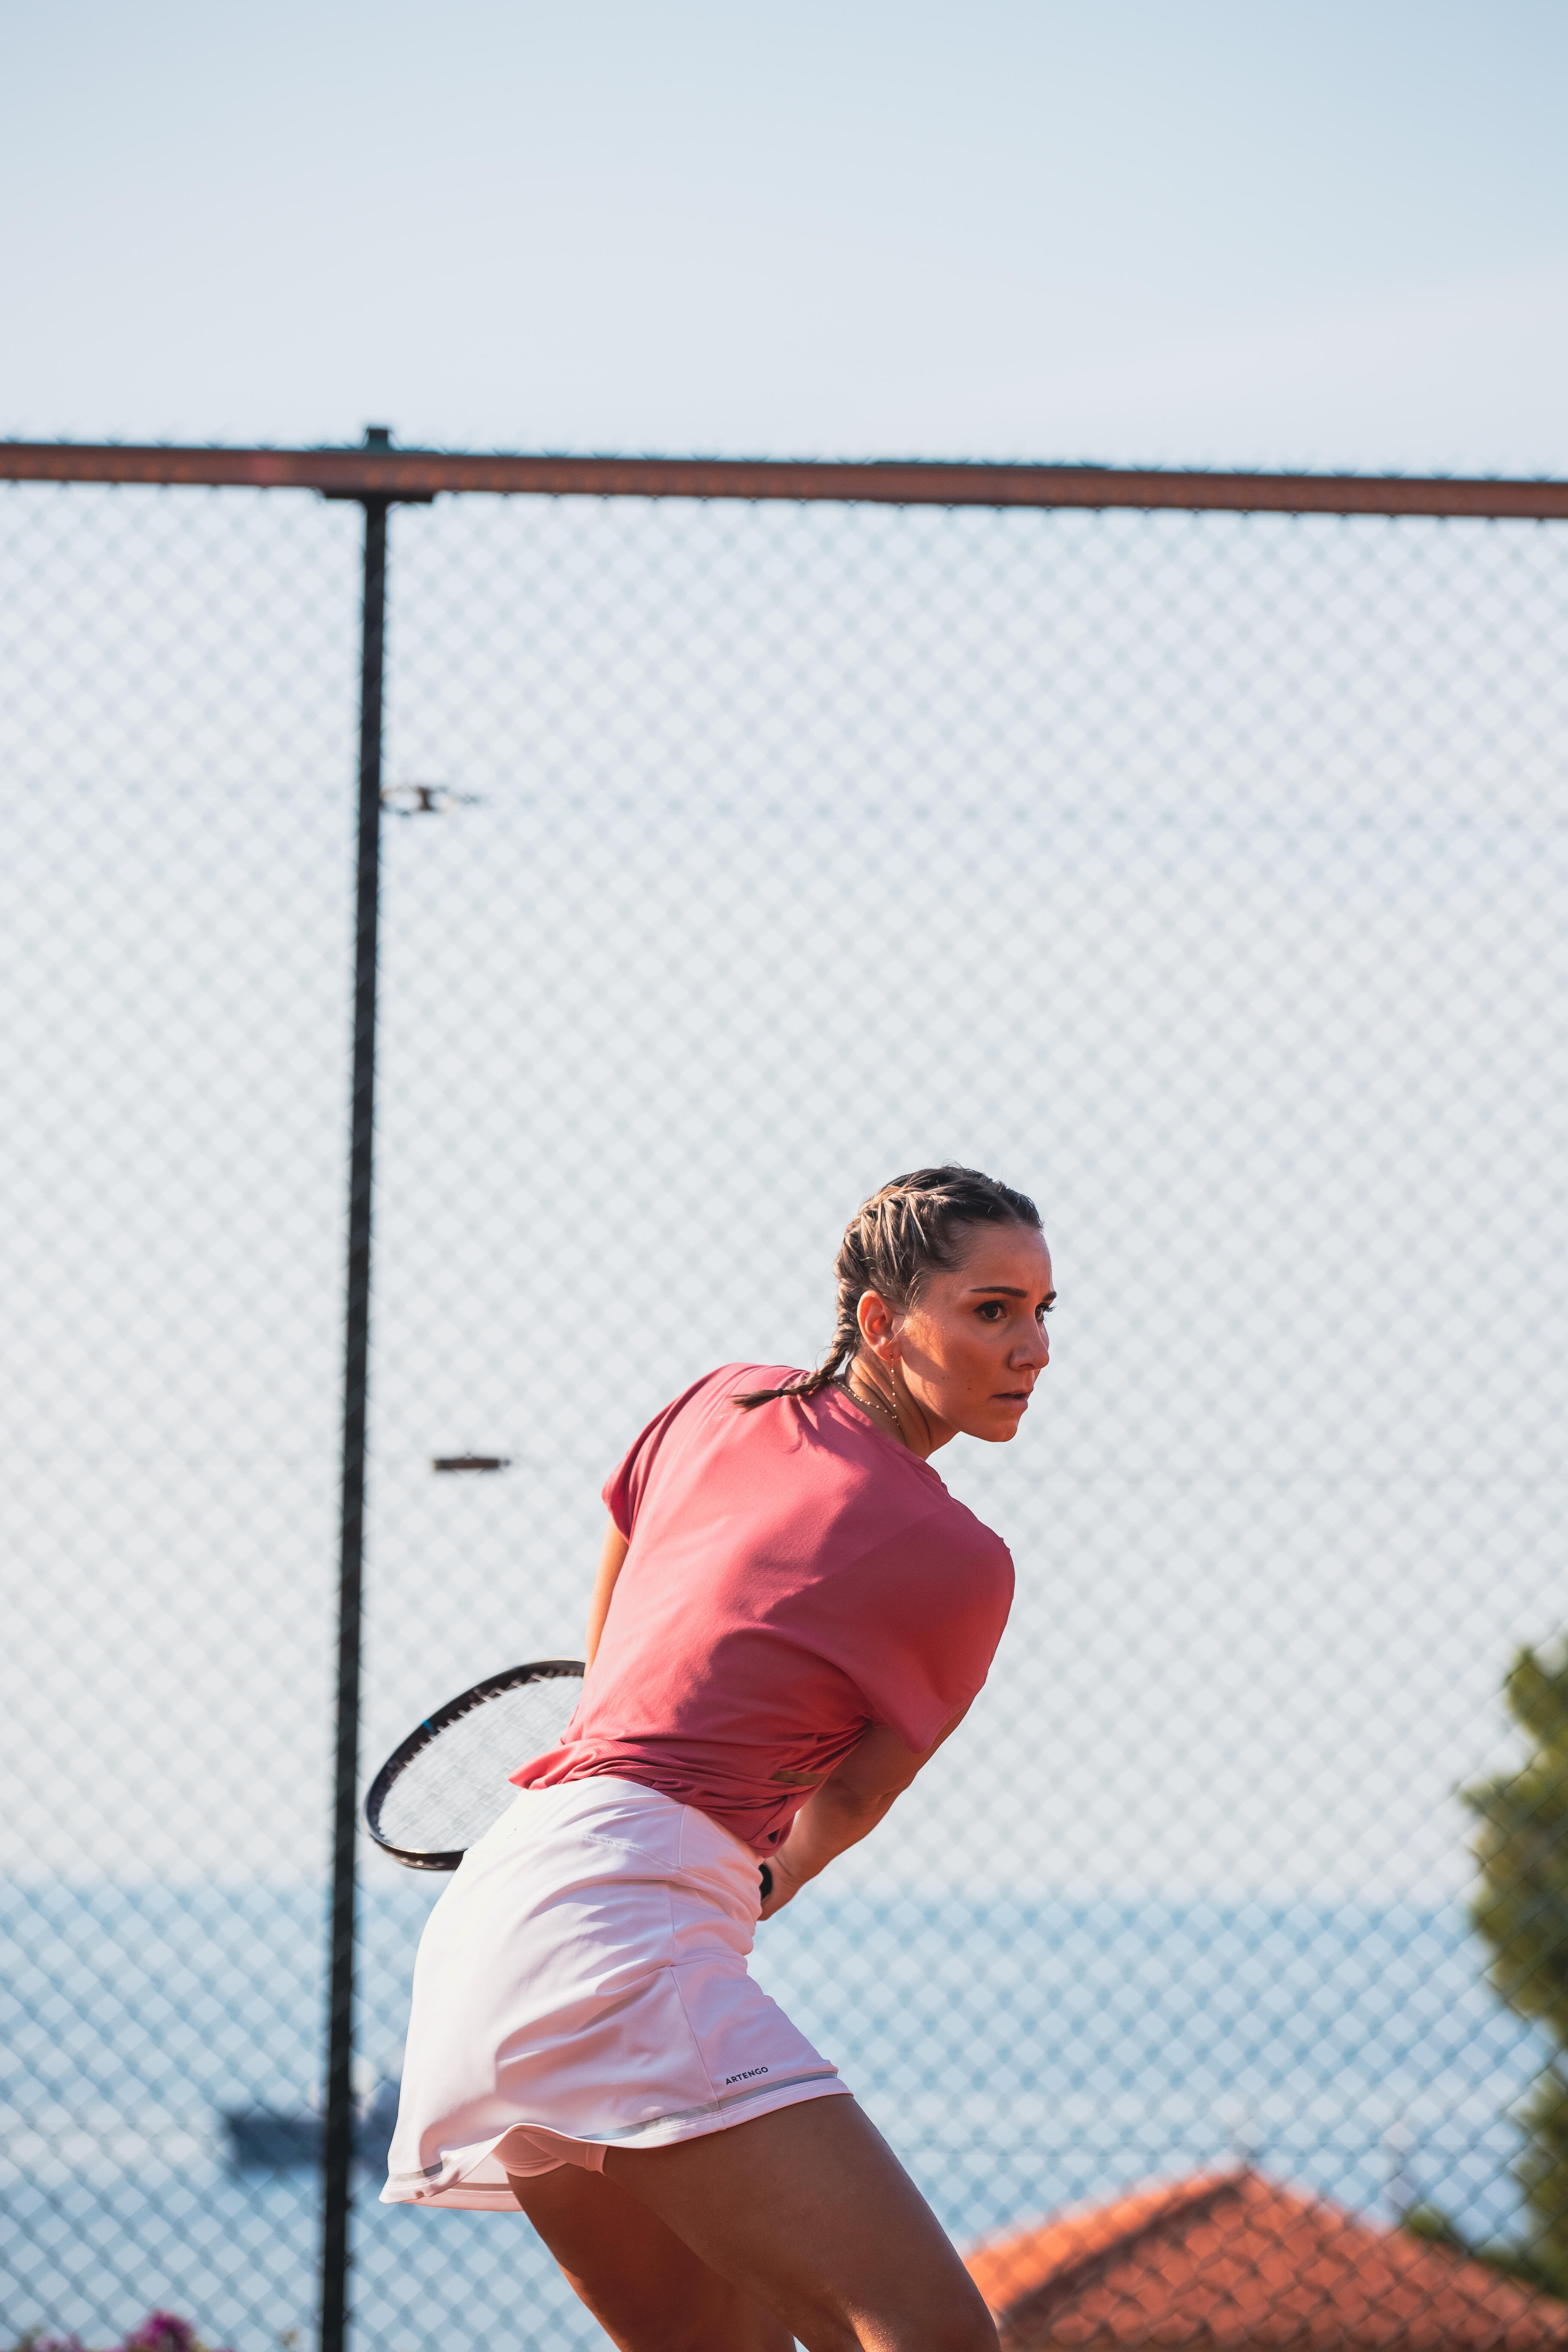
(969, 1351)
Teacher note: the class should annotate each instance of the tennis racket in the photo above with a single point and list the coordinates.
(448, 1782)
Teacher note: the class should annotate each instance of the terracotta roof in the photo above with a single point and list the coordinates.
(1232, 2260)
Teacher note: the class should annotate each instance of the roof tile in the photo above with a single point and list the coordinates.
(1231, 2260)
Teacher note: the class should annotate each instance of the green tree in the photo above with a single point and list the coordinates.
(1521, 1910)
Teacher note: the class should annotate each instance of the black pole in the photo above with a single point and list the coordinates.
(338, 2138)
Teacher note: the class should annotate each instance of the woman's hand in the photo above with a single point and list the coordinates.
(846, 1807)
(784, 1888)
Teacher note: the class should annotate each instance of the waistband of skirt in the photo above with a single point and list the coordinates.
(600, 1792)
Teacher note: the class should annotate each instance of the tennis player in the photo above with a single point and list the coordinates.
(791, 1615)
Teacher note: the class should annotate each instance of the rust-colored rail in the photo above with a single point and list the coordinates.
(428, 473)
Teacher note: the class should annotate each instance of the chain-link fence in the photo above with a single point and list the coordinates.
(1202, 875)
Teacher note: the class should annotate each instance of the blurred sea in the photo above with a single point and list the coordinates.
(1020, 2056)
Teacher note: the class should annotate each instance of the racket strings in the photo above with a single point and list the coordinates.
(457, 1785)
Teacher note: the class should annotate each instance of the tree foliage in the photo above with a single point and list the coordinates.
(1521, 1910)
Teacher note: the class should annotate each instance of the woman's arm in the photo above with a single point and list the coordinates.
(611, 1560)
(848, 1807)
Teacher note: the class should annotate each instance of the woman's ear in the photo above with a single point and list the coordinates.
(876, 1319)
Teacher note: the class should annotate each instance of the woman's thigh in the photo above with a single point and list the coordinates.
(809, 2214)
(644, 2286)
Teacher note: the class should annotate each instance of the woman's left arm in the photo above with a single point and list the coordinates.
(612, 1559)
(848, 1807)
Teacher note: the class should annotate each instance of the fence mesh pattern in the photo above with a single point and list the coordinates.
(1203, 876)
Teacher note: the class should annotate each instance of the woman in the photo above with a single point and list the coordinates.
(790, 1616)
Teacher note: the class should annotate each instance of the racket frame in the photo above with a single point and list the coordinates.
(510, 1678)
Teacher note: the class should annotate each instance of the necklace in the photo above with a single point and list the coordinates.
(881, 1404)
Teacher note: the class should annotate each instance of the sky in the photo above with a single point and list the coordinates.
(1219, 235)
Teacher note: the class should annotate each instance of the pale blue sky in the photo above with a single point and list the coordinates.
(1213, 233)
(1217, 234)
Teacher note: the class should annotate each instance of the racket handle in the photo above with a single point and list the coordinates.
(766, 1875)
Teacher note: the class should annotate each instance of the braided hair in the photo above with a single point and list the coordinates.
(913, 1227)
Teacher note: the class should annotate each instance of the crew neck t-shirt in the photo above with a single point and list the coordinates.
(794, 1575)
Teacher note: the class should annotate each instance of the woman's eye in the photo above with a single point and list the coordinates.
(993, 1309)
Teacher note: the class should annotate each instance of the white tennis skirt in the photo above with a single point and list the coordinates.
(581, 1985)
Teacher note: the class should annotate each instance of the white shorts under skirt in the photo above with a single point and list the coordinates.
(582, 1985)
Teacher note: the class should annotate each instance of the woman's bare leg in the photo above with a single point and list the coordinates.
(649, 2291)
(808, 2215)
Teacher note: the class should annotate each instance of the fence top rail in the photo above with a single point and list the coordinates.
(423, 474)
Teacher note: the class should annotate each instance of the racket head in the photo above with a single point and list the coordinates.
(448, 1782)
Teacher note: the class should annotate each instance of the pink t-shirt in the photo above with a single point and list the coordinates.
(794, 1575)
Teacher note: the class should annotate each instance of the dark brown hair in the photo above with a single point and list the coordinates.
(913, 1227)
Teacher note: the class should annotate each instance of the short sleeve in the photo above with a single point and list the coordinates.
(624, 1489)
(939, 1609)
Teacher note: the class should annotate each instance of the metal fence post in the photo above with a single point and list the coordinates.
(338, 2139)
